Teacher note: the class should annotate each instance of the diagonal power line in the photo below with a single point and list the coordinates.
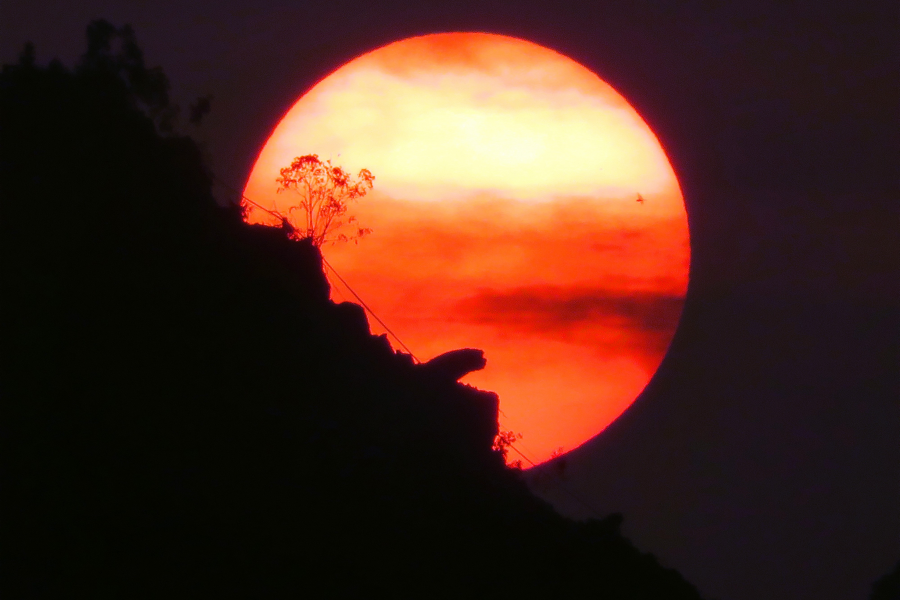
(590, 509)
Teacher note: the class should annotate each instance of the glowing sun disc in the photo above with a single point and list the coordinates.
(521, 206)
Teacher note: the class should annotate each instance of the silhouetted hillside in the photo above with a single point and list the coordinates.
(193, 416)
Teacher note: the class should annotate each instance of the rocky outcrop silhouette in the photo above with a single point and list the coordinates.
(456, 364)
(197, 416)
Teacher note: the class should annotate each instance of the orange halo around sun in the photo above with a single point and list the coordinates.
(506, 217)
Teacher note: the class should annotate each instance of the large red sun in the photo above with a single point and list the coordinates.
(521, 206)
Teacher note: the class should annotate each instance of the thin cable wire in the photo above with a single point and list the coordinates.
(371, 312)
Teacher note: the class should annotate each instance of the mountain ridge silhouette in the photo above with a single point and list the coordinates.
(192, 414)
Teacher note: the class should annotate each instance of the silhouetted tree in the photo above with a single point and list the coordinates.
(325, 191)
(114, 52)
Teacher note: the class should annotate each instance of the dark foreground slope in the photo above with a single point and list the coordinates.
(187, 413)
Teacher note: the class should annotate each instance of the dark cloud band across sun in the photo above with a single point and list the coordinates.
(551, 308)
(600, 320)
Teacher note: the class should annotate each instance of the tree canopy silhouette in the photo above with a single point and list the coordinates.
(114, 51)
(325, 191)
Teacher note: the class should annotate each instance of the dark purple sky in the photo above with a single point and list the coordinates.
(762, 461)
